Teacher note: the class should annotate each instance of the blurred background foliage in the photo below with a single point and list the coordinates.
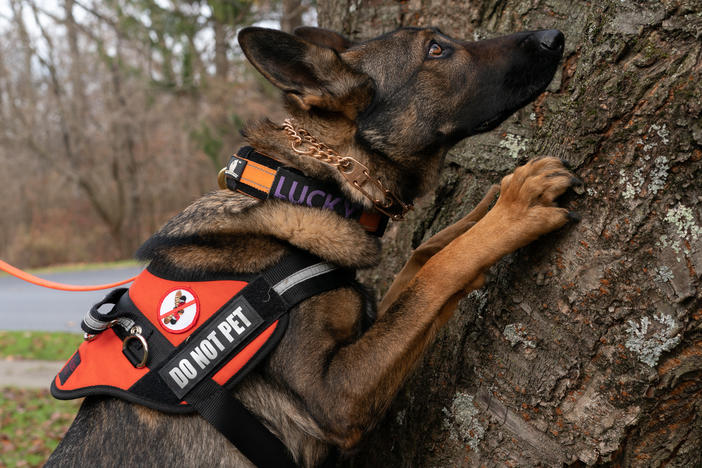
(115, 114)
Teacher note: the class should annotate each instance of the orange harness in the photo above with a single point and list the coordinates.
(99, 364)
(181, 346)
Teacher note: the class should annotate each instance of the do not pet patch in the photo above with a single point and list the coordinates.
(179, 310)
(200, 356)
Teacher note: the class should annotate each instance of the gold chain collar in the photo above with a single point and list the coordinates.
(353, 171)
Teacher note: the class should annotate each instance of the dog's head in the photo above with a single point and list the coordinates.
(410, 94)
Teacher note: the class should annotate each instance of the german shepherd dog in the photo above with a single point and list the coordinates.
(396, 104)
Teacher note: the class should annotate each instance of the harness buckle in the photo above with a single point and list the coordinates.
(135, 334)
(91, 336)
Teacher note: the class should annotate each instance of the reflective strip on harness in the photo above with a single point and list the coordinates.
(303, 275)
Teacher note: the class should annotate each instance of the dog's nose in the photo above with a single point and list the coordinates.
(550, 40)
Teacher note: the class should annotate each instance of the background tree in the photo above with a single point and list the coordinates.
(114, 115)
(585, 347)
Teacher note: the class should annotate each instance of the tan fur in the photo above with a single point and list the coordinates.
(226, 214)
(148, 416)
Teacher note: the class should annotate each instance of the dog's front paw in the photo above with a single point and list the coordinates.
(527, 204)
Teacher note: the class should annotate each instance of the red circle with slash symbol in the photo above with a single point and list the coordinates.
(179, 310)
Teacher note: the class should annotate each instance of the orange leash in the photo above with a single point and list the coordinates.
(23, 275)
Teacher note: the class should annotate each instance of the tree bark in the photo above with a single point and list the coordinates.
(586, 346)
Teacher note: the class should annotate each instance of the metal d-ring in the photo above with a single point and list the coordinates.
(222, 178)
(144, 344)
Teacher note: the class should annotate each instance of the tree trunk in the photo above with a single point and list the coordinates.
(221, 48)
(586, 346)
(292, 15)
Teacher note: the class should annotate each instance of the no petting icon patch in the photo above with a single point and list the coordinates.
(179, 310)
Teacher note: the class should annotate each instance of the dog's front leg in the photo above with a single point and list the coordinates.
(364, 376)
(525, 210)
(434, 244)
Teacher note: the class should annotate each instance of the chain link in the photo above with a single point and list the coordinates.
(315, 149)
(356, 173)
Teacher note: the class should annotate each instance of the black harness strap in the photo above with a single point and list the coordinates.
(218, 407)
(281, 287)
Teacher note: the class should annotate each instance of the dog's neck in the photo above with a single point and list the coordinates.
(339, 134)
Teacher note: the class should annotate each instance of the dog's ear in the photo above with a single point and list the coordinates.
(309, 74)
(324, 38)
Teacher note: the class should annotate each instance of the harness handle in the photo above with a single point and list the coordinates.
(24, 276)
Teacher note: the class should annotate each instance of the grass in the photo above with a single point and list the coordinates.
(32, 421)
(32, 424)
(50, 346)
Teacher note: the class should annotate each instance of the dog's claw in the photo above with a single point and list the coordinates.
(573, 216)
(577, 185)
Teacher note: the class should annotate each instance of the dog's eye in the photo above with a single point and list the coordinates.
(435, 50)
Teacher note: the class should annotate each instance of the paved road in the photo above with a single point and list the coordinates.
(24, 306)
(28, 374)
